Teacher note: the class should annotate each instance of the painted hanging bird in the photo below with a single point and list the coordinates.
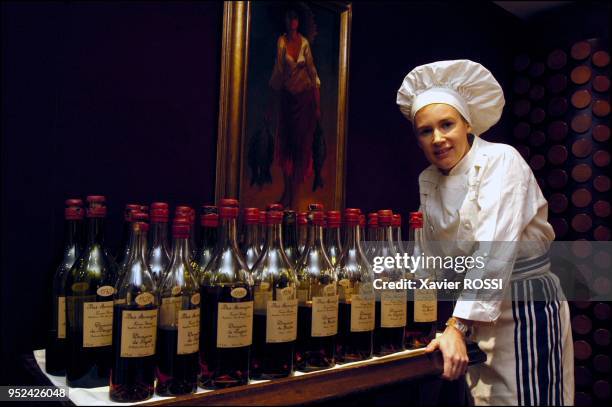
(260, 154)
(319, 152)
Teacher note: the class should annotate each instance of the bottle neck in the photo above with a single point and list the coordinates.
(73, 233)
(209, 237)
(416, 236)
(159, 234)
(138, 243)
(95, 231)
(227, 233)
(180, 250)
(387, 234)
(251, 235)
(274, 237)
(290, 234)
(315, 236)
(353, 238)
(333, 237)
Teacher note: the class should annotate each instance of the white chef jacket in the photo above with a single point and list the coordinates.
(491, 195)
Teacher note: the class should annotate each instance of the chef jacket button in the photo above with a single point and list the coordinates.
(467, 225)
(431, 228)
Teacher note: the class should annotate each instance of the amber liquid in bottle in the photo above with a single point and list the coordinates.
(89, 307)
(226, 313)
(318, 303)
(275, 318)
(357, 303)
(55, 351)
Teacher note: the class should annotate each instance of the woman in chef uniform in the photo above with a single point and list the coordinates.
(482, 199)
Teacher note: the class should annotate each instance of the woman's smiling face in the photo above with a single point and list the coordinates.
(442, 134)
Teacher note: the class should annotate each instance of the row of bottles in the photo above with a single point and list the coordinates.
(264, 310)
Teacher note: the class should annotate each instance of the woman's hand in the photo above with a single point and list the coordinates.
(452, 345)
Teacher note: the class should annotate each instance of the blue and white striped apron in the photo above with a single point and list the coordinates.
(529, 348)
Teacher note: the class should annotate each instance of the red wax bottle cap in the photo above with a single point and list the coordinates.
(262, 217)
(315, 207)
(274, 207)
(159, 205)
(74, 213)
(397, 220)
(209, 220)
(209, 209)
(183, 220)
(333, 219)
(159, 215)
(231, 202)
(139, 217)
(318, 218)
(351, 219)
(73, 202)
(352, 210)
(96, 212)
(180, 230)
(302, 218)
(373, 219)
(274, 217)
(251, 216)
(228, 212)
(416, 219)
(96, 199)
(144, 208)
(182, 209)
(362, 220)
(385, 217)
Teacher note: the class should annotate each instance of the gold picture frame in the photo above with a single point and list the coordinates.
(232, 132)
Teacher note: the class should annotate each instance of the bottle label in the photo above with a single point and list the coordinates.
(324, 316)
(262, 296)
(138, 333)
(234, 324)
(120, 301)
(281, 321)
(239, 292)
(61, 317)
(195, 299)
(168, 313)
(345, 290)
(97, 324)
(286, 293)
(425, 306)
(144, 299)
(176, 290)
(302, 295)
(393, 308)
(188, 331)
(105, 291)
(363, 310)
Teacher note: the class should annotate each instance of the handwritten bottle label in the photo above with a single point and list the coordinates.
(281, 321)
(138, 333)
(393, 308)
(97, 324)
(425, 305)
(61, 317)
(188, 331)
(345, 290)
(168, 312)
(234, 324)
(324, 316)
(362, 313)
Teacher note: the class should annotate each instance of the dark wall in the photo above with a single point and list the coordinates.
(383, 159)
(113, 99)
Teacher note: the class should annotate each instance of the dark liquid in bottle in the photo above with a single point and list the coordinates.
(85, 367)
(351, 346)
(387, 340)
(55, 354)
(176, 374)
(269, 360)
(219, 367)
(135, 377)
(312, 353)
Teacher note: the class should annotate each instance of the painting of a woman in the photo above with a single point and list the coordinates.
(296, 98)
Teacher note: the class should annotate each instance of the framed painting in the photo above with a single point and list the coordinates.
(283, 103)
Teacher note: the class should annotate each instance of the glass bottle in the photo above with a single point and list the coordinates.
(124, 244)
(290, 240)
(135, 322)
(302, 232)
(250, 243)
(397, 234)
(373, 236)
(135, 216)
(276, 306)
(89, 306)
(158, 256)
(55, 351)
(333, 247)
(261, 231)
(210, 223)
(422, 303)
(318, 302)
(362, 225)
(179, 320)
(226, 316)
(391, 303)
(183, 211)
(357, 302)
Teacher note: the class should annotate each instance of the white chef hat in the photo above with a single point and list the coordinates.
(465, 85)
